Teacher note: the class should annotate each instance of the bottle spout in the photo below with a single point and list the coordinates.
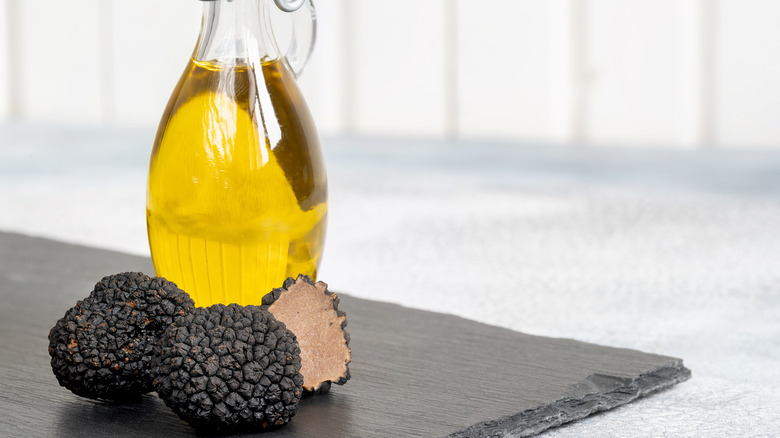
(236, 31)
(289, 5)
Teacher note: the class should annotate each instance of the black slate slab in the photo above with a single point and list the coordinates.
(414, 373)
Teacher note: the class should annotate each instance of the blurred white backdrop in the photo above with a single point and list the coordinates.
(657, 73)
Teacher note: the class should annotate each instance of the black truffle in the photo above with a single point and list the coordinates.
(229, 368)
(103, 346)
(312, 313)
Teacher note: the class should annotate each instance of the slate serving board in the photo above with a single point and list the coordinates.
(414, 373)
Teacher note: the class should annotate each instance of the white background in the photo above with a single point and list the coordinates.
(654, 73)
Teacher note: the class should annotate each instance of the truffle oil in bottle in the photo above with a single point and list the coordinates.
(237, 193)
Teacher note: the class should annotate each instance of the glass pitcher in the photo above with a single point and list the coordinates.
(237, 191)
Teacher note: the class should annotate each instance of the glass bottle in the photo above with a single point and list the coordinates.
(237, 191)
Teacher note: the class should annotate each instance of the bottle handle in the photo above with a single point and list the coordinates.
(304, 32)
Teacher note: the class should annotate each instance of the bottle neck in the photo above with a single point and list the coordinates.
(235, 32)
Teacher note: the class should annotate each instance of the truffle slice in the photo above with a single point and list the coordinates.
(312, 313)
(228, 368)
(102, 347)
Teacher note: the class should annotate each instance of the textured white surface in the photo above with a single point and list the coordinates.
(668, 252)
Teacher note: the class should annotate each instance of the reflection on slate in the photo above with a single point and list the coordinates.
(414, 373)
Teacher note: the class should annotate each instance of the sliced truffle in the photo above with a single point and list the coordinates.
(311, 312)
(103, 346)
(227, 368)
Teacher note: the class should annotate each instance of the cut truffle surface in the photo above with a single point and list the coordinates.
(227, 368)
(311, 312)
(103, 346)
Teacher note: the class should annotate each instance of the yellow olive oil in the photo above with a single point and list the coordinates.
(237, 192)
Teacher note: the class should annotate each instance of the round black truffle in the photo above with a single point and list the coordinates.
(228, 368)
(102, 348)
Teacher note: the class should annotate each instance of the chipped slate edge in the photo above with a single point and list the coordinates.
(610, 392)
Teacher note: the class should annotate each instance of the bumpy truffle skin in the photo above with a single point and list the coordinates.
(227, 368)
(312, 312)
(102, 348)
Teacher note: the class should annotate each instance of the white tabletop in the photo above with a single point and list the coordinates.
(671, 252)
